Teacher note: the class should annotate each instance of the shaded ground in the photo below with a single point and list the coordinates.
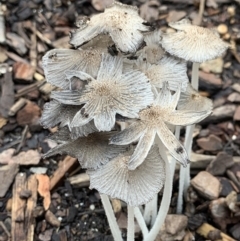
(74, 211)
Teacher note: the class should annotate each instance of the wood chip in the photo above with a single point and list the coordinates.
(30, 157)
(80, 180)
(7, 175)
(23, 71)
(44, 189)
(29, 115)
(31, 205)
(63, 167)
(18, 232)
(206, 228)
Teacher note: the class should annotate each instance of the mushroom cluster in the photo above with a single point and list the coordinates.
(119, 94)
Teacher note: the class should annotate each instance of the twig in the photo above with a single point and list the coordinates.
(4, 228)
(63, 167)
(17, 106)
(206, 228)
(23, 138)
(29, 88)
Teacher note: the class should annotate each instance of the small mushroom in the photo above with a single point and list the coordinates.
(122, 22)
(135, 187)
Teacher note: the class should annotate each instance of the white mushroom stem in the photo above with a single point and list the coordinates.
(184, 180)
(2, 26)
(130, 227)
(141, 222)
(150, 211)
(195, 75)
(111, 218)
(167, 193)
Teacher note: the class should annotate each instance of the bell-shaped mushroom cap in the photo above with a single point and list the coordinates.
(152, 52)
(193, 43)
(135, 187)
(192, 100)
(92, 151)
(168, 69)
(57, 61)
(55, 113)
(120, 21)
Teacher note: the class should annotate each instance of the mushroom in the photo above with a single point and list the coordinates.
(196, 44)
(110, 93)
(193, 43)
(192, 100)
(92, 151)
(167, 69)
(135, 187)
(152, 52)
(122, 22)
(57, 61)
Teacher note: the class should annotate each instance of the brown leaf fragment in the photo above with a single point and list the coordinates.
(29, 114)
(44, 189)
(23, 71)
(7, 174)
(7, 93)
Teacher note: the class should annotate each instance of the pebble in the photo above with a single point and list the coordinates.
(234, 97)
(52, 219)
(211, 143)
(214, 66)
(235, 231)
(175, 223)
(221, 113)
(38, 170)
(222, 28)
(92, 207)
(219, 209)
(236, 87)
(207, 185)
(175, 16)
(226, 187)
(219, 165)
(210, 78)
(237, 114)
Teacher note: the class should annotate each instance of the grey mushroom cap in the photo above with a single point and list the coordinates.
(193, 43)
(120, 21)
(135, 187)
